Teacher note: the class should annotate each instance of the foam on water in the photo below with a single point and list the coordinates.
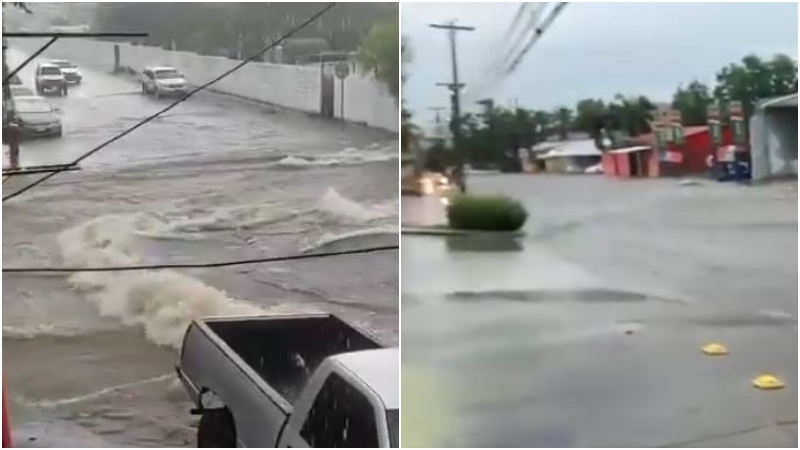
(164, 302)
(348, 156)
(337, 205)
(331, 239)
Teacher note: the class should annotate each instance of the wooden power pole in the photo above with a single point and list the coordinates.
(455, 99)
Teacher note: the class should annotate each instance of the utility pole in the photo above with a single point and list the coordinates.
(437, 110)
(455, 98)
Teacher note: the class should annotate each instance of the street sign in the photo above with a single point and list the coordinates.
(677, 134)
(736, 110)
(713, 112)
(662, 137)
(342, 70)
(676, 126)
(715, 128)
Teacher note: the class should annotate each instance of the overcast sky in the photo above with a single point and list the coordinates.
(592, 49)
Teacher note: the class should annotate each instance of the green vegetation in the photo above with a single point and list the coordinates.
(379, 53)
(225, 29)
(486, 213)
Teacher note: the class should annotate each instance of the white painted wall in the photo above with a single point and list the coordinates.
(366, 100)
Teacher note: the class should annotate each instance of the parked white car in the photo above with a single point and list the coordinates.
(163, 81)
(49, 77)
(69, 69)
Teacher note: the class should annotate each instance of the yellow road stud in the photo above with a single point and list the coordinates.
(715, 349)
(768, 382)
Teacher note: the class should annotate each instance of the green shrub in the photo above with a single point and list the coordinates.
(486, 213)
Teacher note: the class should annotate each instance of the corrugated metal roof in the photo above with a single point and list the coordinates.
(787, 101)
(585, 147)
(638, 148)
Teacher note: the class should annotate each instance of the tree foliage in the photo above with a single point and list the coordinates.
(692, 101)
(380, 53)
(754, 79)
(221, 28)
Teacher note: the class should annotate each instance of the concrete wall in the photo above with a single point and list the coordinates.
(366, 100)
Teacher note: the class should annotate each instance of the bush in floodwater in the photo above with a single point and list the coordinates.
(486, 213)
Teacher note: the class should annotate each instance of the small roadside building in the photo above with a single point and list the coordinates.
(773, 138)
(571, 156)
(631, 162)
(641, 159)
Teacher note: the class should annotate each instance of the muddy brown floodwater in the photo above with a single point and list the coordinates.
(89, 358)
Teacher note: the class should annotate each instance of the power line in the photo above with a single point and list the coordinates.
(239, 262)
(536, 36)
(528, 30)
(181, 100)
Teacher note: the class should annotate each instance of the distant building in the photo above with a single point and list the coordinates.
(640, 159)
(568, 156)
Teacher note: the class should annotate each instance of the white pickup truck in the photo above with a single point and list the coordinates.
(290, 381)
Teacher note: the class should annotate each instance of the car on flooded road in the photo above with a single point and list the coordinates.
(163, 82)
(50, 78)
(36, 117)
(69, 69)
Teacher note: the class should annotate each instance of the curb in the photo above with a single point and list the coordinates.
(438, 231)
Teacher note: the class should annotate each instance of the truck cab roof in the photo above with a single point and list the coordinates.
(159, 68)
(378, 369)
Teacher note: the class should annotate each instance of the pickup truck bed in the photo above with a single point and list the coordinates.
(271, 355)
(285, 352)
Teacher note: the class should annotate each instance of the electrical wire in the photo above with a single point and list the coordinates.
(239, 262)
(514, 39)
(189, 94)
(527, 31)
(536, 36)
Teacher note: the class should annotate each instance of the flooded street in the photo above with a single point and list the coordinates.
(214, 179)
(588, 330)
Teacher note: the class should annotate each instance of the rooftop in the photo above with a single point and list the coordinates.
(585, 147)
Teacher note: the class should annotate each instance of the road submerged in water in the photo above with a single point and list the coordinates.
(587, 331)
(89, 358)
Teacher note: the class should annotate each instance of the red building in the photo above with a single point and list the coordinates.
(642, 160)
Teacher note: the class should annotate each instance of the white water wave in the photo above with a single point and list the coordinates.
(338, 206)
(348, 156)
(163, 302)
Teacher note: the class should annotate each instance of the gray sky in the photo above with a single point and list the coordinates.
(592, 49)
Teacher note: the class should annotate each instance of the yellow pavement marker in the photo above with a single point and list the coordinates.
(768, 382)
(715, 349)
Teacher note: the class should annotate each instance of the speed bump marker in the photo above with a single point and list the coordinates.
(768, 382)
(715, 349)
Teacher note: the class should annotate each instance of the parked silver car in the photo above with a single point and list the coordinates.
(36, 117)
(163, 81)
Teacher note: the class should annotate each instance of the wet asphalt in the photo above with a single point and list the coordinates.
(588, 331)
